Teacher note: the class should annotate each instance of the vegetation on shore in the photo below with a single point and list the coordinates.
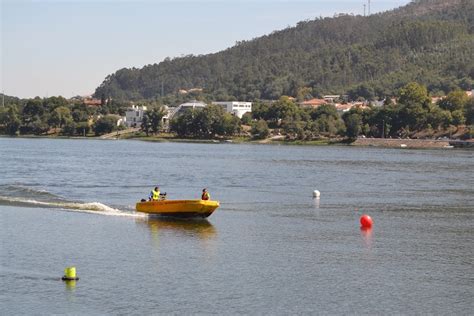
(412, 115)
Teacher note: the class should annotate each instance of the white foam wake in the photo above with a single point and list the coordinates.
(90, 207)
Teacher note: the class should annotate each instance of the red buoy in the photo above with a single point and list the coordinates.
(366, 221)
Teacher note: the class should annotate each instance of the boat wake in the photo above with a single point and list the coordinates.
(90, 207)
(43, 199)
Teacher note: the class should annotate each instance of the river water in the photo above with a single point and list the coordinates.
(269, 249)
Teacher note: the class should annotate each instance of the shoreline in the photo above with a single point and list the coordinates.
(359, 142)
(401, 143)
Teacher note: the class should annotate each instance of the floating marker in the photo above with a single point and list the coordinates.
(316, 193)
(366, 221)
(70, 274)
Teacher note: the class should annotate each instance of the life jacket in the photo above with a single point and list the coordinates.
(156, 195)
(205, 196)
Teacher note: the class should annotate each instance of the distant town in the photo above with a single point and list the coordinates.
(134, 114)
(411, 114)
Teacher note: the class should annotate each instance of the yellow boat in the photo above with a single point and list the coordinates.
(178, 208)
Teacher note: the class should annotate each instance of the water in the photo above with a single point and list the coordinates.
(269, 249)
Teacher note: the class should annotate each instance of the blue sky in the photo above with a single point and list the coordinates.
(68, 47)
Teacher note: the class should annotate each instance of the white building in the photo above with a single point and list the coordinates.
(192, 105)
(134, 115)
(236, 108)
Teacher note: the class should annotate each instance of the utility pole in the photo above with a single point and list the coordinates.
(364, 9)
(162, 90)
(368, 11)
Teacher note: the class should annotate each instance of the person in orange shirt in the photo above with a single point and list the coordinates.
(205, 195)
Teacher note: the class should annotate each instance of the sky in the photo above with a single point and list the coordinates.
(68, 47)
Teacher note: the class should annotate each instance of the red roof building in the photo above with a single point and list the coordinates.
(313, 103)
(92, 102)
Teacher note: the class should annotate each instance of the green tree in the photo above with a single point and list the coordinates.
(469, 111)
(283, 109)
(205, 123)
(155, 117)
(69, 128)
(415, 104)
(260, 130)
(105, 124)
(324, 111)
(83, 128)
(230, 124)
(52, 103)
(80, 113)
(353, 125)
(183, 124)
(33, 109)
(303, 93)
(246, 118)
(439, 118)
(414, 94)
(455, 100)
(414, 116)
(145, 125)
(458, 117)
(362, 91)
(59, 116)
(260, 110)
(9, 118)
(38, 127)
(295, 129)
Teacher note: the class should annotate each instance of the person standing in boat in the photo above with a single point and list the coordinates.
(205, 195)
(154, 194)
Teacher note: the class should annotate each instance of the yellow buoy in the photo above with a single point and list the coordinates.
(70, 274)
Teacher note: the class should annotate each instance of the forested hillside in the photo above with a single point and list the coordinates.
(427, 41)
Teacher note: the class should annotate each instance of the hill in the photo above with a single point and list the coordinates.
(427, 41)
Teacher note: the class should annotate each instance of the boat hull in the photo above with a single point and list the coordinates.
(178, 208)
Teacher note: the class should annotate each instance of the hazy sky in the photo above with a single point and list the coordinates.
(68, 47)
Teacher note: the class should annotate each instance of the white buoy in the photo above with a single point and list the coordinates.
(316, 194)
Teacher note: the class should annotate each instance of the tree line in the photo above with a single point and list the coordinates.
(57, 115)
(412, 113)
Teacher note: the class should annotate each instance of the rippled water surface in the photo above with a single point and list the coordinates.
(269, 249)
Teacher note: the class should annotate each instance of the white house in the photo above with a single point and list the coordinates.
(134, 115)
(236, 108)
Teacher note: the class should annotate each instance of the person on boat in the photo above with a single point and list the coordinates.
(154, 194)
(205, 195)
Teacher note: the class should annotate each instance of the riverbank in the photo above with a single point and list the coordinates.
(280, 140)
(362, 142)
(401, 143)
